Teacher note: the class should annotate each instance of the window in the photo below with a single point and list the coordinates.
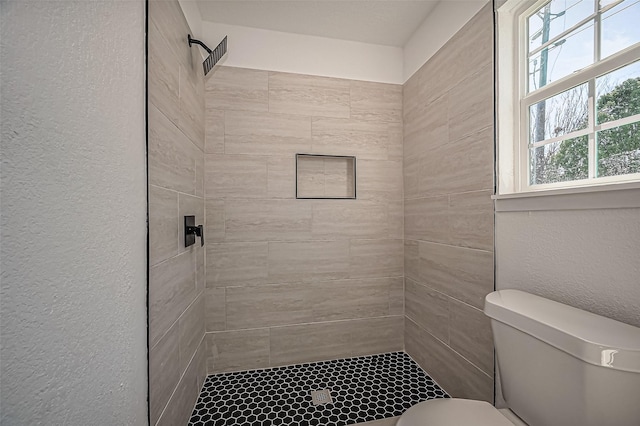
(576, 94)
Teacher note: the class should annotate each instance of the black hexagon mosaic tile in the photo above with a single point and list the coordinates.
(362, 389)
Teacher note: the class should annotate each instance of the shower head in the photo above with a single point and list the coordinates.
(214, 55)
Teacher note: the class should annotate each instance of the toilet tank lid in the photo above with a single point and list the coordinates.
(592, 338)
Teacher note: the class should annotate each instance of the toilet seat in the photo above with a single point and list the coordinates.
(453, 412)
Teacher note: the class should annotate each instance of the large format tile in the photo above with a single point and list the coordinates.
(214, 220)
(471, 220)
(471, 104)
(167, 16)
(411, 260)
(427, 308)
(266, 134)
(172, 156)
(214, 131)
(172, 286)
(281, 177)
(344, 136)
(308, 260)
(465, 274)
(178, 410)
(191, 119)
(236, 264)
(163, 224)
(470, 331)
(163, 76)
(376, 258)
(243, 89)
(349, 219)
(192, 329)
(237, 350)
(235, 176)
(164, 372)
(267, 220)
(215, 309)
(308, 95)
(379, 180)
(427, 219)
(376, 101)
(269, 305)
(456, 375)
(309, 342)
(377, 335)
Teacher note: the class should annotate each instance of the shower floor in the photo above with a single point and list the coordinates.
(362, 389)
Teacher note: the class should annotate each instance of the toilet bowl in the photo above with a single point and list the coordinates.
(558, 366)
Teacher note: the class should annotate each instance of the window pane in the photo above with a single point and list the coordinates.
(560, 161)
(554, 18)
(619, 150)
(562, 58)
(559, 115)
(618, 93)
(620, 27)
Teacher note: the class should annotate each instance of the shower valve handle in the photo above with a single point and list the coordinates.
(191, 231)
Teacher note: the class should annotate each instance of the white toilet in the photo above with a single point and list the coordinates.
(559, 366)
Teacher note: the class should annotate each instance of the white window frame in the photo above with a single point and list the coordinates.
(513, 101)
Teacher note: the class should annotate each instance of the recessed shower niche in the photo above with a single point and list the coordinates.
(325, 177)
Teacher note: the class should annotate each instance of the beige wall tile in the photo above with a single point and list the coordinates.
(192, 328)
(427, 219)
(395, 148)
(214, 131)
(201, 268)
(236, 264)
(471, 220)
(376, 101)
(310, 177)
(427, 308)
(163, 224)
(411, 260)
(172, 156)
(216, 311)
(395, 212)
(190, 206)
(309, 342)
(465, 274)
(308, 260)
(377, 335)
(235, 176)
(243, 89)
(471, 104)
(339, 177)
(237, 350)
(172, 286)
(267, 220)
(214, 214)
(180, 406)
(351, 299)
(412, 167)
(164, 372)
(200, 361)
(427, 125)
(163, 74)
(376, 258)
(308, 95)
(269, 305)
(266, 134)
(344, 136)
(338, 219)
(396, 296)
(168, 17)
(191, 120)
(451, 371)
(470, 331)
(379, 180)
(281, 177)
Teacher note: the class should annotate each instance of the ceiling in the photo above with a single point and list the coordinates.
(384, 22)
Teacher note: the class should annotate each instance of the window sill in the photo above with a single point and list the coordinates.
(612, 196)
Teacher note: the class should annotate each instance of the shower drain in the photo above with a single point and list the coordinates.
(321, 397)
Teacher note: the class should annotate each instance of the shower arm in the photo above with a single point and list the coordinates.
(198, 42)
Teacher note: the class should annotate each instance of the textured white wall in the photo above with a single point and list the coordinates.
(584, 258)
(73, 206)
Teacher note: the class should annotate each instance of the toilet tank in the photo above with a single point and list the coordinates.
(564, 366)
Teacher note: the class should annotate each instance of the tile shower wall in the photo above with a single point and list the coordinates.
(448, 183)
(292, 281)
(176, 170)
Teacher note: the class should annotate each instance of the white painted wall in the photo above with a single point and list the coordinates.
(444, 21)
(73, 212)
(584, 258)
(277, 51)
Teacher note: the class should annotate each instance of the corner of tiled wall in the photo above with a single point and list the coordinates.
(176, 169)
(448, 183)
